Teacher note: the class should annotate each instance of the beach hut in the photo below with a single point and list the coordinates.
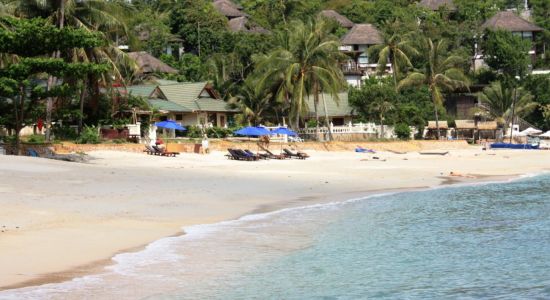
(432, 129)
(333, 15)
(487, 130)
(437, 4)
(149, 64)
(465, 129)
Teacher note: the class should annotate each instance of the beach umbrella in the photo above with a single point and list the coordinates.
(169, 124)
(253, 131)
(283, 130)
(531, 131)
(546, 134)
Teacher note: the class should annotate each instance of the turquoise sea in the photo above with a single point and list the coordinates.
(489, 241)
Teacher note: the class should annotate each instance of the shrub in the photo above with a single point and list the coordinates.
(36, 139)
(89, 135)
(403, 131)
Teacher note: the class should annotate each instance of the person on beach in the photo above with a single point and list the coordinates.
(160, 144)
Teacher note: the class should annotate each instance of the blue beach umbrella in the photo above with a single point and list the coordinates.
(252, 131)
(169, 124)
(283, 130)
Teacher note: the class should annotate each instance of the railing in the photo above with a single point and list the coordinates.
(359, 128)
(353, 67)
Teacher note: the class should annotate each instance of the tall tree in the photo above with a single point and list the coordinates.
(397, 48)
(31, 41)
(501, 101)
(308, 58)
(253, 100)
(440, 73)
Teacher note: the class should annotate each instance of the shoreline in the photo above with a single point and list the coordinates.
(302, 200)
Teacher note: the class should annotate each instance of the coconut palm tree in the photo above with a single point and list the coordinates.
(252, 100)
(380, 108)
(308, 59)
(501, 101)
(440, 73)
(397, 49)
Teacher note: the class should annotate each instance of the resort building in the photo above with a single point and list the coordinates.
(229, 9)
(333, 15)
(510, 21)
(356, 44)
(340, 112)
(189, 103)
(149, 64)
(237, 20)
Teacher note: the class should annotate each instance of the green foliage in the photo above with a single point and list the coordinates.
(36, 139)
(507, 53)
(201, 27)
(193, 132)
(539, 87)
(64, 133)
(218, 132)
(89, 135)
(403, 131)
(190, 67)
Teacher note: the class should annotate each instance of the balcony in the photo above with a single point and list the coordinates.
(353, 68)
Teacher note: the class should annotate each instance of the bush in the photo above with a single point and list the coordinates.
(217, 132)
(36, 139)
(64, 133)
(193, 132)
(403, 131)
(89, 135)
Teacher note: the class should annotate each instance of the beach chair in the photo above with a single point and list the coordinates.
(299, 155)
(163, 152)
(238, 154)
(246, 156)
(149, 150)
(259, 155)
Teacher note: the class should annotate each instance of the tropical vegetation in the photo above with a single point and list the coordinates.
(69, 71)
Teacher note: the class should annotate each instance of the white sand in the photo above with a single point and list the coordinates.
(70, 216)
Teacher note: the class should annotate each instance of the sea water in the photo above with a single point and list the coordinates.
(489, 241)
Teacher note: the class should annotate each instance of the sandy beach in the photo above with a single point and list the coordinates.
(60, 220)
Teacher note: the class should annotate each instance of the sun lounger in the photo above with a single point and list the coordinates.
(250, 156)
(149, 150)
(270, 154)
(163, 152)
(238, 154)
(299, 155)
(259, 155)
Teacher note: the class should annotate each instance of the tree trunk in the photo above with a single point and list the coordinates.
(381, 126)
(82, 97)
(316, 106)
(330, 137)
(438, 135)
(394, 67)
(52, 79)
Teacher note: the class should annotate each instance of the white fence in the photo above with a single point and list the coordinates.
(370, 129)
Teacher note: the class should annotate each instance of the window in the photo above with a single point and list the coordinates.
(363, 60)
(179, 117)
(338, 121)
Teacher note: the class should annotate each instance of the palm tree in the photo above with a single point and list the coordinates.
(307, 58)
(501, 101)
(253, 100)
(381, 107)
(441, 73)
(397, 48)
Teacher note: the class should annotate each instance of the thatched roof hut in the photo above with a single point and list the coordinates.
(508, 20)
(443, 125)
(465, 124)
(489, 125)
(228, 9)
(243, 24)
(436, 4)
(342, 20)
(363, 34)
(150, 64)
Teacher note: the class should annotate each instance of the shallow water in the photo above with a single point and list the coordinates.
(470, 242)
